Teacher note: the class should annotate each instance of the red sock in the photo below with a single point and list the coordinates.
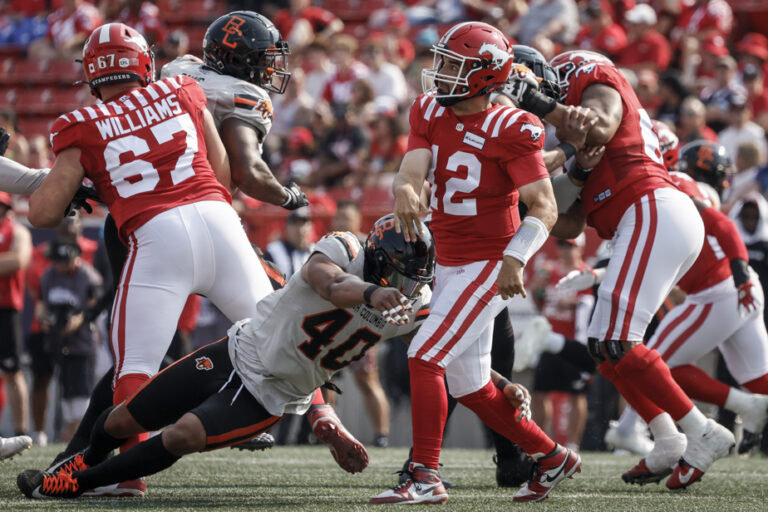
(700, 386)
(758, 385)
(645, 369)
(126, 386)
(429, 410)
(644, 407)
(318, 399)
(492, 407)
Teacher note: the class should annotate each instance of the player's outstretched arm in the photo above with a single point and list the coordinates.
(406, 188)
(19, 179)
(249, 171)
(50, 202)
(571, 223)
(345, 290)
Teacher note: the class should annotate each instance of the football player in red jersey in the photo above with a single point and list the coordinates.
(480, 158)
(154, 156)
(630, 198)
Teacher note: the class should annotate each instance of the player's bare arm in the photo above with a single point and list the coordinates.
(345, 290)
(530, 236)
(573, 125)
(571, 223)
(49, 203)
(606, 102)
(249, 171)
(217, 154)
(407, 188)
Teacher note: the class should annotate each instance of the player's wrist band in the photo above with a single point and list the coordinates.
(568, 149)
(502, 384)
(528, 239)
(369, 292)
(579, 173)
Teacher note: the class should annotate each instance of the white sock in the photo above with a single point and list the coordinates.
(628, 422)
(663, 426)
(738, 401)
(693, 423)
(555, 343)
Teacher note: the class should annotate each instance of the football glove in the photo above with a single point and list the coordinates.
(522, 88)
(746, 299)
(5, 139)
(577, 280)
(83, 194)
(296, 197)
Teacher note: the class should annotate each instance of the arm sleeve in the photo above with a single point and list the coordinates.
(19, 179)
(418, 136)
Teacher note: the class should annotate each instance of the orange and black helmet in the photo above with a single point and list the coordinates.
(246, 45)
(391, 261)
(707, 162)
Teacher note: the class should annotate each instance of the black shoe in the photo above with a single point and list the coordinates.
(38, 485)
(263, 441)
(512, 471)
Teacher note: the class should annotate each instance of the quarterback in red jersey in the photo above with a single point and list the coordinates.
(154, 156)
(630, 198)
(480, 158)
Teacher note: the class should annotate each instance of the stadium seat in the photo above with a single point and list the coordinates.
(354, 10)
(192, 11)
(65, 72)
(36, 125)
(8, 98)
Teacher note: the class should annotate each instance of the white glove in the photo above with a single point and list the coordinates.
(577, 280)
(520, 82)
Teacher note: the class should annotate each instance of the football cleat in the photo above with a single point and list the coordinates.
(349, 453)
(38, 485)
(422, 485)
(10, 446)
(641, 475)
(530, 344)
(263, 441)
(636, 442)
(405, 472)
(714, 443)
(512, 471)
(658, 463)
(68, 465)
(128, 489)
(547, 472)
(754, 420)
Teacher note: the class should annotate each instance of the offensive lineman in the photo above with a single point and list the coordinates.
(657, 234)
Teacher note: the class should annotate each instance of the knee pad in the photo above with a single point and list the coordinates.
(594, 350)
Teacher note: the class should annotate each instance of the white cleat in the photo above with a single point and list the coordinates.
(530, 344)
(636, 442)
(666, 452)
(715, 443)
(10, 446)
(755, 418)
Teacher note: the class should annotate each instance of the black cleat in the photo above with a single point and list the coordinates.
(261, 442)
(512, 471)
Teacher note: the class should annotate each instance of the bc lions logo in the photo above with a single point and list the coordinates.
(536, 131)
(498, 56)
(203, 363)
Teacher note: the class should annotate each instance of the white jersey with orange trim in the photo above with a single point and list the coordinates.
(227, 96)
(297, 340)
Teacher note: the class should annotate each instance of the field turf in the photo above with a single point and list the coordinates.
(307, 479)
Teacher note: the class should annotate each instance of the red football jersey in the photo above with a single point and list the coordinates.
(632, 165)
(145, 151)
(478, 163)
(721, 244)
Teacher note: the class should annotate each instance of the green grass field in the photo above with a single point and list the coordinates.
(307, 479)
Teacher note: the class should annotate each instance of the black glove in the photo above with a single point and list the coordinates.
(5, 139)
(296, 198)
(527, 96)
(81, 200)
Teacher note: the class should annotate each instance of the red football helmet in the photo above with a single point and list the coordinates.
(668, 143)
(116, 53)
(484, 58)
(566, 63)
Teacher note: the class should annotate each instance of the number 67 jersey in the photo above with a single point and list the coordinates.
(297, 340)
(144, 151)
(478, 163)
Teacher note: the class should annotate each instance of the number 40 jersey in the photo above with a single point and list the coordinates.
(297, 340)
(479, 161)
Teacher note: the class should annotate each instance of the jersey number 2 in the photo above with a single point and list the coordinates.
(138, 175)
(467, 206)
(321, 329)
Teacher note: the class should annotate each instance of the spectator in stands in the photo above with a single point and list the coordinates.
(318, 68)
(387, 79)
(704, 17)
(693, 122)
(388, 146)
(753, 79)
(716, 98)
(752, 49)
(302, 22)
(744, 181)
(40, 156)
(361, 104)
(68, 288)
(600, 33)
(647, 90)
(741, 129)
(647, 48)
(294, 248)
(295, 106)
(298, 161)
(547, 23)
(344, 150)
(672, 92)
(175, 45)
(68, 27)
(145, 17)
(15, 254)
(391, 27)
(338, 87)
(18, 149)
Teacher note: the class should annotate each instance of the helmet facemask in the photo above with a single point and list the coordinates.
(272, 71)
(434, 83)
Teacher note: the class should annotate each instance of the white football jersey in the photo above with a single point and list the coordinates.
(227, 96)
(297, 340)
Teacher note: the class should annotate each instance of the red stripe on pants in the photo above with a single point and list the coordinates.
(687, 333)
(121, 314)
(672, 325)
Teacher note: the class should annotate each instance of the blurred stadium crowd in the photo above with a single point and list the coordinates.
(339, 130)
